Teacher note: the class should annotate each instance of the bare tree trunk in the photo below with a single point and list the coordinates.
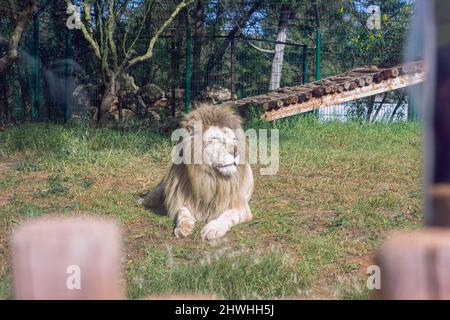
(219, 18)
(10, 117)
(110, 100)
(216, 58)
(22, 77)
(277, 62)
(21, 22)
(2, 101)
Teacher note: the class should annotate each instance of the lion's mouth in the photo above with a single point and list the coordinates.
(226, 165)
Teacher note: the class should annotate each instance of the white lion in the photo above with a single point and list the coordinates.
(219, 189)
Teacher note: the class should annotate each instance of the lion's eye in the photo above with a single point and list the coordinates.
(215, 139)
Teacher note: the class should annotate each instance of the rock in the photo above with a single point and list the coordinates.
(127, 84)
(151, 93)
(153, 115)
(128, 114)
(180, 94)
(161, 103)
(135, 103)
(216, 94)
(82, 97)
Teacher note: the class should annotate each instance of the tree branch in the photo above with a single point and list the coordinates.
(89, 38)
(128, 52)
(111, 26)
(13, 9)
(122, 8)
(260, 49)
(152, 43)
(12, 54)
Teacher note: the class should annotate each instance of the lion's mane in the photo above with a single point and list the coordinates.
(200, 188)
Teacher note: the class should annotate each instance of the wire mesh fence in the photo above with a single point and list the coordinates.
(212, 51)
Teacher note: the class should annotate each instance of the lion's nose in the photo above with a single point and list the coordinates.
(232, 149)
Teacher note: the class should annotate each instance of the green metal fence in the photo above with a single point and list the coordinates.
(323, 38)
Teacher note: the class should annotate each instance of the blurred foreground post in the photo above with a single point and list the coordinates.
(417, 265)
(67, 258)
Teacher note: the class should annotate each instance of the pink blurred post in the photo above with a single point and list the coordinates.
(67, 258)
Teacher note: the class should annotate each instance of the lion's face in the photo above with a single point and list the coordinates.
(220, 149)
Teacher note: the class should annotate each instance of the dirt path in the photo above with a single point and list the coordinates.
(5, 165)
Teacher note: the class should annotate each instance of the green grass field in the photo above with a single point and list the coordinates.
(342, 188)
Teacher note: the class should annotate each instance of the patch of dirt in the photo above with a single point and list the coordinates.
(319, 221)
(6, 165)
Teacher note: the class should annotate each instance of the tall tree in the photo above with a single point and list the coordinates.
(102, 38)
(286, 14)
(20, 14)
(216, 58)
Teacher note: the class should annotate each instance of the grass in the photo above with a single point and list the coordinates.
(341, 189)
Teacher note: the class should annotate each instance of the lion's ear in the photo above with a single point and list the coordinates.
(190, 129)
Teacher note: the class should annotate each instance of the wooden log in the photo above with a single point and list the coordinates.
(305, 96)
(346, 85)
(391, 73)
(353, 85)
(379, 77)
(318, 92)
(415, 266)
(279, 103)
(340, 88)
(329, 89)
(368, 79)
(388, 85)
(286, 101)
(293, 99)
(346, 81)
(67, 258)
(342, 78)
(273, 105)
(284, 90)
(372, 69)
(361, 82)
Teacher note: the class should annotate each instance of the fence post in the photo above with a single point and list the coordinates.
(36, 74)
(412, 103)
(76, 258)
(415, 265)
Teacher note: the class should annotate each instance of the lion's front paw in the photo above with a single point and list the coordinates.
(181, 232)
(214, 229)
(185, 224)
